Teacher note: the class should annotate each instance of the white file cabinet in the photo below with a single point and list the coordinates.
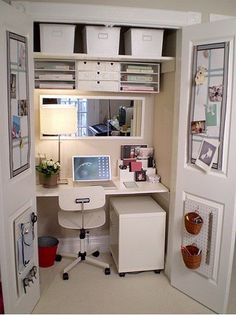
(137, 234)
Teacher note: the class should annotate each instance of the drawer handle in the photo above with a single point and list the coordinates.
(98, 82)
(98, 72)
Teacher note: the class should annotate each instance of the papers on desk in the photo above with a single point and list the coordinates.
(130, 184)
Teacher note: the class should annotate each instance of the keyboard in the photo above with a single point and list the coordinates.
(109, 184)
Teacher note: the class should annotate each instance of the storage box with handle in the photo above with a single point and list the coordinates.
(144, 42)
(57, 38)
(101, 40)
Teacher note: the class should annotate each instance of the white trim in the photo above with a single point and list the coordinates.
(107, 15)
(218, 17)
(72, 245)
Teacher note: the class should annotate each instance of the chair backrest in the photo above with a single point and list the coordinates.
(71, 199)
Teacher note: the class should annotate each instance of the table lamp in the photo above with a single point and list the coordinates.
(57, 121)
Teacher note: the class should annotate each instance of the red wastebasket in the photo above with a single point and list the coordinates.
(47, 249)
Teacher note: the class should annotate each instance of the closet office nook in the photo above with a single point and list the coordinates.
(129, 96)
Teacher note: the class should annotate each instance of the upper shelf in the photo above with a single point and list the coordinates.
(124, 58)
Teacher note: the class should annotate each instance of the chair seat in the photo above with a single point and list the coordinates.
(73, 219)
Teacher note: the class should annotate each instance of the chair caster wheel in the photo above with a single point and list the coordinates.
(107, 271)
(58, 258)
(65, 276)
(122, 274)
(157, 271)
(96, 254)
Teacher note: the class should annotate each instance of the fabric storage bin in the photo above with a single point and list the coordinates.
(101, 40)
(144, 42)
(57, 38)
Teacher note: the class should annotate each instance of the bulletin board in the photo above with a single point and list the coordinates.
(18, 103)
(208, 104)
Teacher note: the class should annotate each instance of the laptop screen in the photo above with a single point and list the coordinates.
(91, 168)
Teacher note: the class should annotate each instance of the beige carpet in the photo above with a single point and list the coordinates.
(89, 291)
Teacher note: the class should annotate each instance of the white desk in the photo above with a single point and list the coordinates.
(143, 188)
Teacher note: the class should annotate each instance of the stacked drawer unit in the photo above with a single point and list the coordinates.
(98, 76)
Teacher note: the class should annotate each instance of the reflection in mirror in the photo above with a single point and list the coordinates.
(111, 116)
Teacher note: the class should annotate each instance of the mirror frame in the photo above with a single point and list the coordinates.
(112, 97)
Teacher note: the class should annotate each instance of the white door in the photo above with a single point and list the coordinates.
(209, 193)
(18, 232)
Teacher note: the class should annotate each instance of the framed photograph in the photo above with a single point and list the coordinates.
(206, 154)
(140, 176)
(18, 104)
(207, 111)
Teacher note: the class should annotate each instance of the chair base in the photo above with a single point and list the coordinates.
(84, 257)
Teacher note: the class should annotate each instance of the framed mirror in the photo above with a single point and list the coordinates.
(111, 116)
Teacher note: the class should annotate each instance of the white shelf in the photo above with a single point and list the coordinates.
(140, 67)
(53, 74)
(124, 58)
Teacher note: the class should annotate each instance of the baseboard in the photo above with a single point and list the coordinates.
(72, 245)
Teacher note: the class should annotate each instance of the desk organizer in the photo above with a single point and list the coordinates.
(193, 222)
(192, 256)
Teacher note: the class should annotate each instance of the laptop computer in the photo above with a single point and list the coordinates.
(92, 170)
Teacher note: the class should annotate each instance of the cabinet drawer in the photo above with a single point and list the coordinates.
(98, 66)
(99, 75)
(112, 86)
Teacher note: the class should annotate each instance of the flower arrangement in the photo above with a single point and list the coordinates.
(48, 167)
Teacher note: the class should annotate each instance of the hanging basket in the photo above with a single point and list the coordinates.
(193, 222)
(192, 256)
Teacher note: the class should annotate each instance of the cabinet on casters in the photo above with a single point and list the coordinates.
(137, 234)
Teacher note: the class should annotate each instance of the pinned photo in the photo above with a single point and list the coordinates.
(211, 115)
(13, 85)
(22, 108)
(16, 133)
(198, 126)
(216, 93)
(206, 155)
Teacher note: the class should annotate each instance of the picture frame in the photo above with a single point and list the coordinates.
(208, 99)
(18, 103)
(140, 176)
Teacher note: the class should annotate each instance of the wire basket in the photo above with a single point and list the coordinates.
(193, 222)
(192, 256)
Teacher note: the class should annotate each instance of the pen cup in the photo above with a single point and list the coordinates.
(193, 222)
(192, 256)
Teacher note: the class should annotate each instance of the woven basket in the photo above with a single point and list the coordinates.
(191, 225)
(191, 256)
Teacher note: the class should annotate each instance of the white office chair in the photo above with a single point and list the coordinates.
(82, 208)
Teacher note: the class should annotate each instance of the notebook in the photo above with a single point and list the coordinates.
(92, 170)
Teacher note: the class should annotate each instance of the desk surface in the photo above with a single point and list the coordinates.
(142, 188)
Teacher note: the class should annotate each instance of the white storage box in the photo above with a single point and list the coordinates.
(144, 42)
(101, 40)
(57, 38)
(112, 86)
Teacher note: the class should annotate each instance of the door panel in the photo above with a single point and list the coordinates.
(211, 193)
(18, 229)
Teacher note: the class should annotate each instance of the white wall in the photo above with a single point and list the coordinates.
(226, 7)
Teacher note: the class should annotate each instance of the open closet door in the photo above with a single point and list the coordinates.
(203, 211)
(18, 229)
